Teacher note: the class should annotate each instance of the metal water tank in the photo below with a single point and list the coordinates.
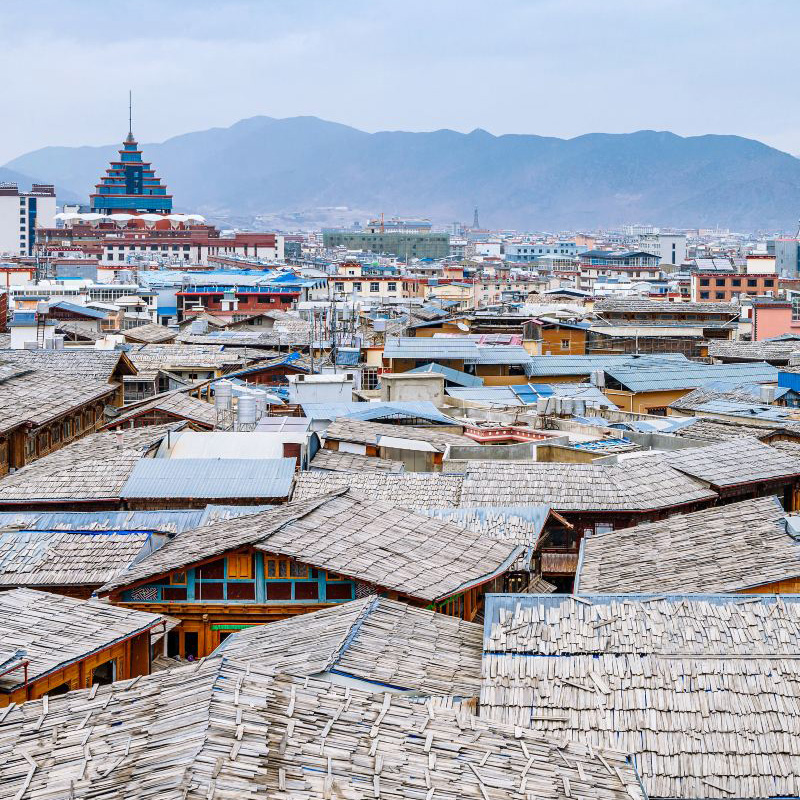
(767, 394)
(541, 406)
(246, 410)
(261, 405)
(566, 406)
(58, 341)
(198, 327)
(579, 407)
(223, 392)
(598, 378)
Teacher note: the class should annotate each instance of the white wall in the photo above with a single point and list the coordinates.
(14, 210)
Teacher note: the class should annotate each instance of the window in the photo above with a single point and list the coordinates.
(752, 282)
(240, 566)
(338, 591)
(357, 286)
(215, 570)
(105, 673)
(279, 590)
(719, 295)
(565, 344)
(736, 282)
(277, 568)
(374, 286)
(796, 309)
(720, 281)
(704, 295)
(173, 593)
(241, 591)
(306, 590)
(704, 281)
(338, 286)
(768, 284)
(392, 286)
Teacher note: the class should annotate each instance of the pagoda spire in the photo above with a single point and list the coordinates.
(130, 117)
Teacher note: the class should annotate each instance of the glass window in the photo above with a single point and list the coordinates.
(374, 287)
(796, 309)
(241, 591)
(306, 590)
(279, 590)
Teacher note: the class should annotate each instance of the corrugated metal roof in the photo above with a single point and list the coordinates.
(403, 409)
(210, 478)
(690, 375)
(450, 374)
(583, 365)
(165, 521)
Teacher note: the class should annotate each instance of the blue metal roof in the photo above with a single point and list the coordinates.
(584, 365)
(165, 521)
(210, 478)
(688, 375)
(450, 375)
(76, 309)
(400, 409)
(348, 356)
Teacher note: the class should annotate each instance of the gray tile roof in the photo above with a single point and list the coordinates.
(210, 478)
(94, 467)
(150, 358)
(84, 362)
(226, 728)
(38, 397)
(628, 486)
(714, 431)
(51, 631)
(778, 351)
(722, 549)
(376, 640)
(453, 348)
(178, 403)
(703, 690)
(66, 558)
(734, 462)
(371, 540)
(413, 489)
(620, 305)
(150, 334)
(347, 429)
(339, 461)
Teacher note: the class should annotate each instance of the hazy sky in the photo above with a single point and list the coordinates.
(552, 67)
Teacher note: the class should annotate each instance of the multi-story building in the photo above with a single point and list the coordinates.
(787, 256)
(130, 185)
(524, 252)
(669, 247)
(403, 244)
(727, 286)
(22, 214)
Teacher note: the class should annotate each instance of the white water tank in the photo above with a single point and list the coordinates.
(579, 407)
(223, 392)
(198, 327)
(598, 378)
(566, 406)
(541, 406)
(767, 394)
(246, 410)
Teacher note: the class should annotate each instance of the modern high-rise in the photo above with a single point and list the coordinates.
(130, 185)
(21, 213)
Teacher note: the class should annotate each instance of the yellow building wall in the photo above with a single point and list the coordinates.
(553, 339)
(643, 402)
(789, 586)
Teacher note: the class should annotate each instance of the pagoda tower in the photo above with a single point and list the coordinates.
(130, 186)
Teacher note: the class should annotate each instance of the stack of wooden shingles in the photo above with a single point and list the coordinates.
(222, 729)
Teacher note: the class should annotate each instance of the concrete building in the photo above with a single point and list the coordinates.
(524, 252)
(21, 213)
(669, 247)
(787, 257)
(405, 245)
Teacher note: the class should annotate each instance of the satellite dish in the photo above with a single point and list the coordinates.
(462, 326)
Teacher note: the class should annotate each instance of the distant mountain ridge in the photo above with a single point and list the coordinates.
(265, 165)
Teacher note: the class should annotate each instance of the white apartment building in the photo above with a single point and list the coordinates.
(669, 247)
(21, 213)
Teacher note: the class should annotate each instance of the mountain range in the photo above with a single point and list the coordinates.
(267, 166)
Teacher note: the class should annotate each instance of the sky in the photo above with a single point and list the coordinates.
(549, 67)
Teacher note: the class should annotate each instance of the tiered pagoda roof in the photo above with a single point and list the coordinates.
(130, 185)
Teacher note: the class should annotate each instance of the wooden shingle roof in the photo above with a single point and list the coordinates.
(178, 404)
(66, 558)
(722, 549)
(347, 429)
(50, 631)
(223, 728)
(734, 462)
(703, 690)
(626, 486)
(150, 334)
(377, 640)
(94, 467)
(340, 461)
(373, 541)
(413, 489)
